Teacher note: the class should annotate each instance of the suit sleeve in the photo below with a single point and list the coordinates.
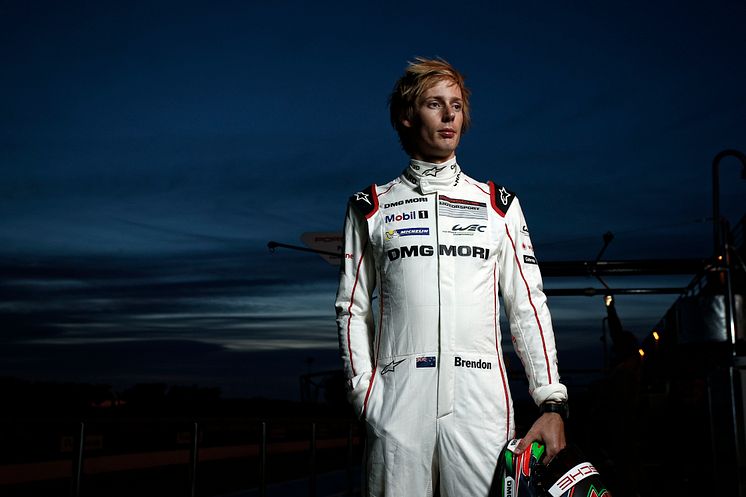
(526, 307)
(355, 326)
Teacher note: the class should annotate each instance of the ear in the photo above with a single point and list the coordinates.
(406, 123)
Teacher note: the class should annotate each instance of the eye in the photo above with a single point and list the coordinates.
(457, 107)
(433, 104)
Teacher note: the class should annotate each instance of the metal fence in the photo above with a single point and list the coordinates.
(306, 443)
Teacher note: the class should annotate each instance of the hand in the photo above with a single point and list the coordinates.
(549, 429)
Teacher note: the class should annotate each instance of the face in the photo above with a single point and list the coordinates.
(436, 124)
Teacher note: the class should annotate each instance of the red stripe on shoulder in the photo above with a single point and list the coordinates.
(375, 202)
(492, 199)
(477, 186)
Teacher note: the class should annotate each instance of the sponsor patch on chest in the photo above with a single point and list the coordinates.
(461, 208)
(390, 234)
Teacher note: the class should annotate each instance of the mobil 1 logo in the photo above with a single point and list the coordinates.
(405, 216)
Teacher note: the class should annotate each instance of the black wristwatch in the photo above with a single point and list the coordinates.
(560, 408)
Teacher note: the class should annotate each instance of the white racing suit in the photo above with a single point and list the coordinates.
(429, 379)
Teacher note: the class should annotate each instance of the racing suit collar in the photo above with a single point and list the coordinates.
(428, 177)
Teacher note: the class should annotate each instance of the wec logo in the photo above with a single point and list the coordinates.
(472, 227)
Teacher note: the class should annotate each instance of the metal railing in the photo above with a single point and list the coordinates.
(344, 441)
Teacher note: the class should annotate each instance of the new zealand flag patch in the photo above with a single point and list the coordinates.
(426, 362)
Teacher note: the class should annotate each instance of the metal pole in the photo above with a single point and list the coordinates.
(263, 461)
(272, 245)
(195, 461)
(737, 438)
(716, 236)
(730, 309)
(713, 431)
(605, 345)
(312, 463)
(78, 462)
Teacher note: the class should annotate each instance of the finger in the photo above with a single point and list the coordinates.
(552, 449)
(525, 443)
(549, 454)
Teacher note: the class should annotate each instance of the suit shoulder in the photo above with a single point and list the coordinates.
(365, 201)
(501, 198)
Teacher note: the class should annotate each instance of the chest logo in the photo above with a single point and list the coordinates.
(391, 367)
(472, 227)
(390, 234)
(461, 208)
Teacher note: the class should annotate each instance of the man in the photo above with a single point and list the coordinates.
(429, 378)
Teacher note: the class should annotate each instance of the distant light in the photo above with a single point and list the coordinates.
(608, 299)
(642, 352)
(720, 257)
(656, 336)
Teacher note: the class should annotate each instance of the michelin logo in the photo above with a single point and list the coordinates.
(407, 232)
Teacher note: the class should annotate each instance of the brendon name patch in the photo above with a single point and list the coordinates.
(478, 364)
(426, 362)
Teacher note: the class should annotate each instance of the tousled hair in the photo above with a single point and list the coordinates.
(419, 76)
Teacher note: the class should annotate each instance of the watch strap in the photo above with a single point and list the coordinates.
(560, 408)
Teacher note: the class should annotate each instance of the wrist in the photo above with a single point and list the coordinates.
(560, 408)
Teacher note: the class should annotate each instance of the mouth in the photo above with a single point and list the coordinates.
(447, 132)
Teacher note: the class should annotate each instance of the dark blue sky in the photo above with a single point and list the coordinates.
(149, 150)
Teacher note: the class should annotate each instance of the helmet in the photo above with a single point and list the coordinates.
(568, 474)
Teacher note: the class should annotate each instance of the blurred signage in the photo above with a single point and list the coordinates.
(325, 242)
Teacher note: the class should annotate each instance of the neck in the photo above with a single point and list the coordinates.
(426, 164)
(434, 160)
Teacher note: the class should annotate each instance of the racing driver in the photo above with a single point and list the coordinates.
(427, 375)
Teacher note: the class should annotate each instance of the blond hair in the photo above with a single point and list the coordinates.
(419, 76)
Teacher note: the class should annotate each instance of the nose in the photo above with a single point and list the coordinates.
(449, 114)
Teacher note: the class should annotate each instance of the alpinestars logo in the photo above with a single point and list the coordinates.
(433, 171)
(391, 367)
(504, 196)
(362, 196)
